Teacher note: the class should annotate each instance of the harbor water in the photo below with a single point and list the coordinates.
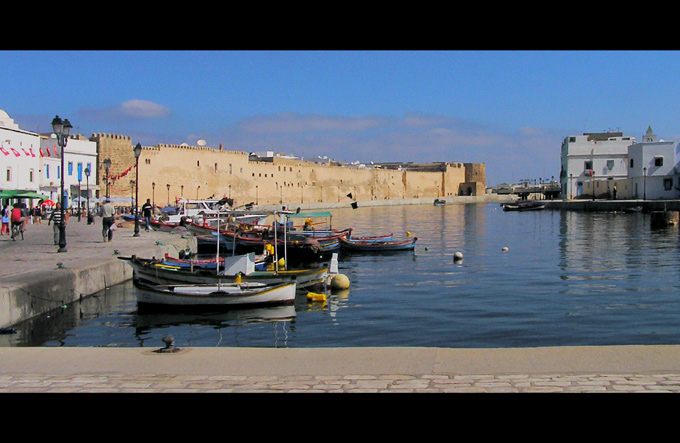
(527, 279)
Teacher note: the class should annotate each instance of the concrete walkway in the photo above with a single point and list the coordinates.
(550, 369)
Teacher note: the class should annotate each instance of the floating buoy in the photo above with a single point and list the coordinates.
(315, 296)
(282, 262)
(408, 234)
(504, 249)
(458, 256)
(340, 281)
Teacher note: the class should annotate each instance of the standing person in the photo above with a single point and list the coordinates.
(55, 218)
(5, 220)
(107, 213)
(146, 211)
(38, 215)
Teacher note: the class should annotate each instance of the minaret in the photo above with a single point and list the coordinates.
(649, 137)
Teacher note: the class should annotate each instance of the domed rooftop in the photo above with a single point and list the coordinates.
(6, 121)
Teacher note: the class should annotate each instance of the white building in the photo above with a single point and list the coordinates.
(653, 168)
(30, 166)
(19, 161)
(591, 157)
(593, 164)
(81, 154)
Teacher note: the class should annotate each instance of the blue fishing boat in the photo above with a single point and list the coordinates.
(379, 246)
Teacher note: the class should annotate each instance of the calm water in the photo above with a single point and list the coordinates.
(567, 278)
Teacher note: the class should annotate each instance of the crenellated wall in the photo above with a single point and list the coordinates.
(202, 172)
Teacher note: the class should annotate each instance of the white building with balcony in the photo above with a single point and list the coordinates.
(593, 157)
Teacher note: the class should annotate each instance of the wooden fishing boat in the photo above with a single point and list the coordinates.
(205, 263)
(384, 237)
(154, 271)
(217, 295)
(379, 246)
(524, 206)
(159, 225)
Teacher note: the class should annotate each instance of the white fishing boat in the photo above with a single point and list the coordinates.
(207, 210)
(225, 295)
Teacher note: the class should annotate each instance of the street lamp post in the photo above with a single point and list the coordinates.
(153, 194)
(80, 198)
(87, 181)
(138, 151)
(62, 129)
(168, 186)
(107, 165)
(644, 182)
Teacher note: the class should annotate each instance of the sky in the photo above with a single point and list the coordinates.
(507, 109)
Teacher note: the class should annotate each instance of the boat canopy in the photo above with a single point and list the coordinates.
(309, 215)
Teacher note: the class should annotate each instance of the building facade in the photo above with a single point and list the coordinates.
(590, 158)
(31, 163)
(651, 167)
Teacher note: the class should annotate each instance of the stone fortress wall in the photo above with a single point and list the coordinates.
(168, 172)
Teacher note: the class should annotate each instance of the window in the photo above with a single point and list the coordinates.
(668, 184)
(588, 165)
(610, 164)
(631, 162)
(215, 167)
(47, 171)
(658, 161)
(70, 168)
(8, 177)
(30, 176)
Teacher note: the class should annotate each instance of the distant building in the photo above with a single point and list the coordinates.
(591, 157)
(594, 165)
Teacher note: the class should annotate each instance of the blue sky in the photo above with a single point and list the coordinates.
(508, 109)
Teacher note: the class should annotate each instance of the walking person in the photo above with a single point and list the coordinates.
(107, 213)
(55, 218)
(5, 220)
(147, 209)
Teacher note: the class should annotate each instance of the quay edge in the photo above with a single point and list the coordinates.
(612, 205)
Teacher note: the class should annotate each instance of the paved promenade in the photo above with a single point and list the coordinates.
(323, 370)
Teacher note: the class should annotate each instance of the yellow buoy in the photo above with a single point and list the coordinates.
(408, 234)
(282, 261)
(315, 296)
(340, 281)
(238, 278)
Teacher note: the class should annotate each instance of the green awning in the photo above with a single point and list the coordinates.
(18, 193)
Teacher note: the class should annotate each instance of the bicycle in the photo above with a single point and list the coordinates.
(17, 228)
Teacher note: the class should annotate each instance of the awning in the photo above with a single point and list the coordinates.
(18, 193)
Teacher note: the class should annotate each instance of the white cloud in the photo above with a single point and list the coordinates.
(143, 109)
(131, 109)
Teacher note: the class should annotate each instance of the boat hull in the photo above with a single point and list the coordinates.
(379, 246)
(154, 272)
(215, 295)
